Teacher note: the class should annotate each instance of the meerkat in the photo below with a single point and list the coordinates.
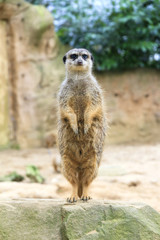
(81, 123)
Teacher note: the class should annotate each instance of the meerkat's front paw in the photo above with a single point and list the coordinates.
(75, 129)
(72, 199)
(86, 128)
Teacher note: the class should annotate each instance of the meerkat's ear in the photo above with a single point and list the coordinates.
(92, 58)
(64, 59)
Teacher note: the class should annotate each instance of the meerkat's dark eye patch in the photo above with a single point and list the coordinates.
(73, 56)
(64, 59)
(84, 56)
(92, 58)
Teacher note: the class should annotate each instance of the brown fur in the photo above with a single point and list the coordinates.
(81, 124)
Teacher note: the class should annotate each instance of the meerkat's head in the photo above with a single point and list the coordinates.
(78, 59)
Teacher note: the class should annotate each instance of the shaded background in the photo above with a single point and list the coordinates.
(124, 38)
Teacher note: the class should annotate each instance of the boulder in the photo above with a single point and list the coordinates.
(33, 55)
(93, 220)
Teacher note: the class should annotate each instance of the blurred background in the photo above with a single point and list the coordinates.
(124, 38)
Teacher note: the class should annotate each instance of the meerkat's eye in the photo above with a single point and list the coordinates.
(73, 56)
(85, 56)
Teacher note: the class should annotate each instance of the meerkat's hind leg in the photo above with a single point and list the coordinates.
(85, 195)
(82, 189)
(74, 197)
(71, 175)
(89, 174)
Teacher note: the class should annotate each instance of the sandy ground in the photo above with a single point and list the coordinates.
(127, 173)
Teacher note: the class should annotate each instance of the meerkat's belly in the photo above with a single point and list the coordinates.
(80, 151)
(79, 147)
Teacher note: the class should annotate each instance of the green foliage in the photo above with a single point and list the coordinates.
(12, 177)
(123, 35)
(33, 173)
(39, 2)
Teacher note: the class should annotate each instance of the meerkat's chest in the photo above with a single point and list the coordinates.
(79, 98)
(79, 103)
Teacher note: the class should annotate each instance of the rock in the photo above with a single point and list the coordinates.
(94, 220)
(4, 119)
(30, 220)
(29, 41)
(133, 104)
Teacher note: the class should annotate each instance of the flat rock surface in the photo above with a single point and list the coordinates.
(127, 173)
(95, 220)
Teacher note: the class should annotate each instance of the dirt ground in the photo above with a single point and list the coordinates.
(127, 173)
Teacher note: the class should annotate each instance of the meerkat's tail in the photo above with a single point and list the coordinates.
(80, 187)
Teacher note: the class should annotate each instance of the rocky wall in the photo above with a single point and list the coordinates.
(4, 115)
(133, 106)
(34, 70)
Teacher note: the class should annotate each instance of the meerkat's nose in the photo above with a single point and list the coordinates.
(80, 62)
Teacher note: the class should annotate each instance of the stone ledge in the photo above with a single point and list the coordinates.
(44, 219)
